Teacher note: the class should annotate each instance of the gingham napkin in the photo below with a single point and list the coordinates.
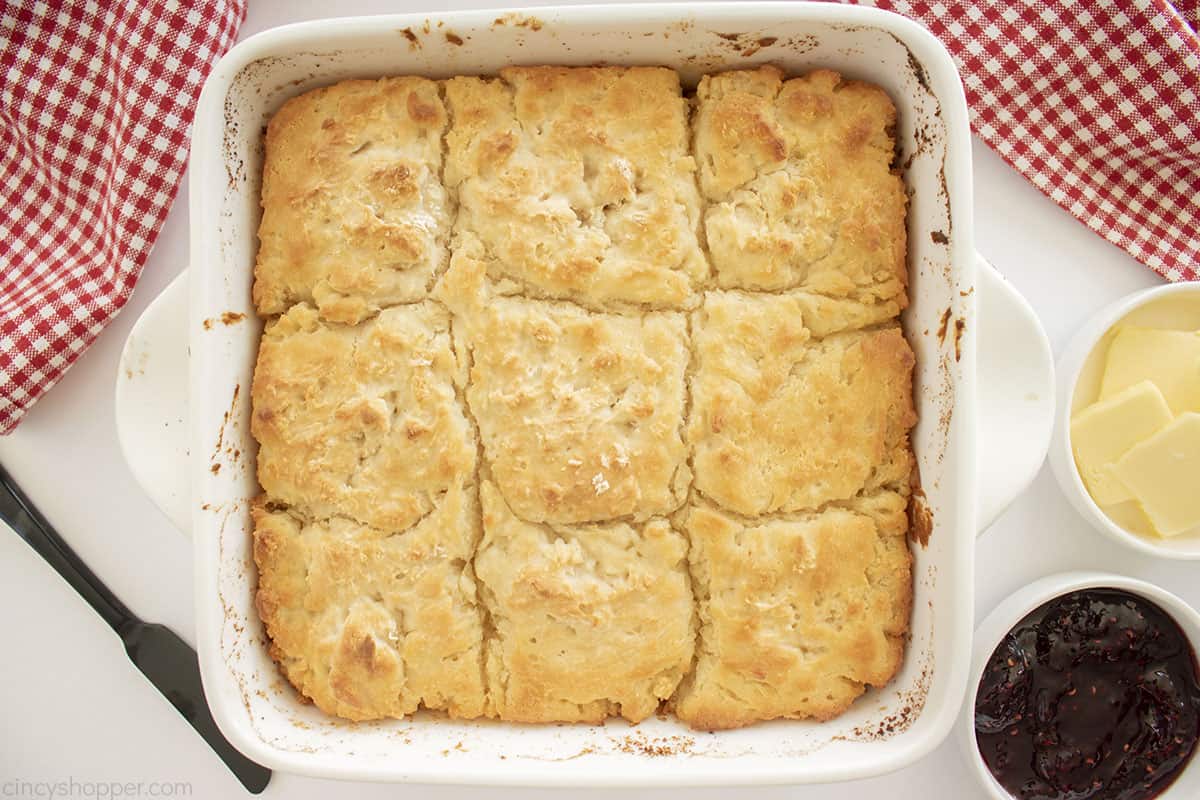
(1096, 102)
(95, 103)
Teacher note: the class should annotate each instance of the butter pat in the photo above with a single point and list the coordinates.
(1106, 430)
(1163, 473)
(1170, 359)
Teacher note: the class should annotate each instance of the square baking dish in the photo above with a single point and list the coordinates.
(889, 727)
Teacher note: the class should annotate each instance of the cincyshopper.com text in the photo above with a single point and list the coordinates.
(91, 790)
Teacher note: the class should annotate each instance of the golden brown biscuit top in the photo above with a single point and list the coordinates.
(580, 413)
(361, 421)
(799, 612)
(578, 184)
(635, 432)
(621, 587)
(799, 180)
(355, 216)
(782, 421)
(372, 623)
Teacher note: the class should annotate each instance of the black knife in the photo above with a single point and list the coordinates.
(165, 659)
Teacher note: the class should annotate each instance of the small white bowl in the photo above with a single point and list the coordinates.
(1079, 372)
(1014, 608)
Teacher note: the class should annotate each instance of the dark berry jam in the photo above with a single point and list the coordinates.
(1092, 696)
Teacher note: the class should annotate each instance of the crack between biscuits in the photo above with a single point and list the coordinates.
(803, 514)
(489, 634)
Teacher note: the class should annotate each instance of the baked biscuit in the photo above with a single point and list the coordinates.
(784, 421)
(580, 413)
(578, 183)
(371, 623)
(800, 185)
(355, 216)
(587, 621)
(364, 421)
(797, 614)
(544, 467)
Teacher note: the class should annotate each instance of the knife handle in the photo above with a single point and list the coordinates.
(31, 526)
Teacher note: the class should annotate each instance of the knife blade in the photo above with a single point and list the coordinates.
(167, 661)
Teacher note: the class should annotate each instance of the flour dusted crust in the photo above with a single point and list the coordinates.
(800, 188)
(784, 421)
(798, 614)
(603, 412)
(580, 413)
(371, 623)
(355, 215)
(578, 183)
(589, 621)
(361, 421)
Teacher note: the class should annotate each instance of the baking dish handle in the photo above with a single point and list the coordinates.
(152, 402)
(1015, 393)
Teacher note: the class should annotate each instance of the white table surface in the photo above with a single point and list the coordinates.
(74, 708)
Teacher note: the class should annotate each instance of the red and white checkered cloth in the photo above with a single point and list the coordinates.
(1096, 102)
(96, 99)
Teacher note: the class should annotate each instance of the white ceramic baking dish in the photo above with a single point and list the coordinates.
(956, 299)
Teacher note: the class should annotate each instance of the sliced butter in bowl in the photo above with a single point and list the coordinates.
(1163, 473)
(1129, 376)
(1168, 358)
(1104, 431)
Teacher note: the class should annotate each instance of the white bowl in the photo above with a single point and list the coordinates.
(1079, 371)
(1014, 608)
